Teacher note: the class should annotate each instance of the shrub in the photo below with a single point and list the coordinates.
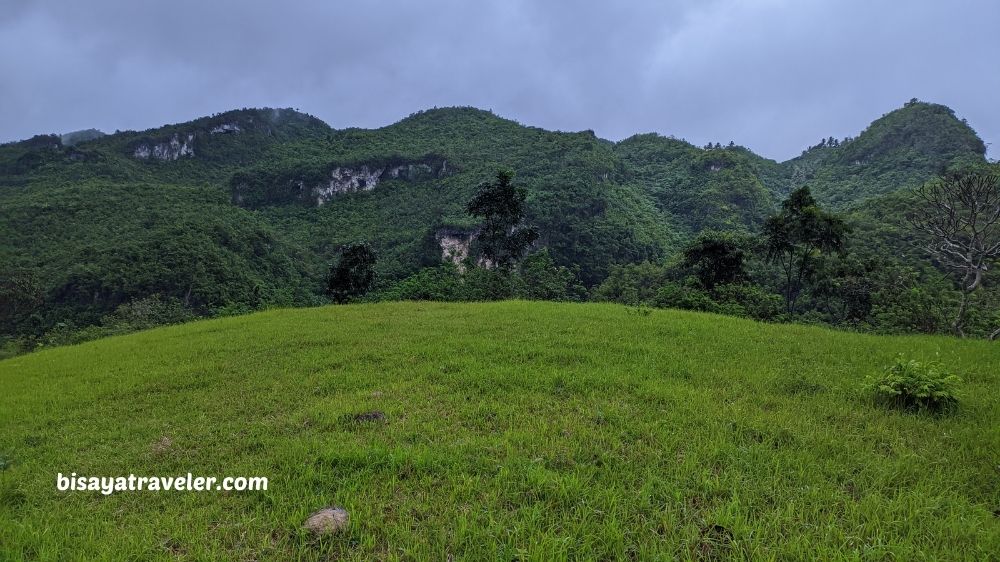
(752, 300)
(482, 284)
(916, 387)
(145, 313)
(544, 280)
(442, 283)
(632, 284)
(687, 296)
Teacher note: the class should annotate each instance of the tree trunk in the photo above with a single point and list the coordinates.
(960, 317)
(995, 334)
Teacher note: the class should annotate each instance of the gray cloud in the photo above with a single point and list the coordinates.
(775, 75)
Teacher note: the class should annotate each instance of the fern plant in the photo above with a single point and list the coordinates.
(916, 387)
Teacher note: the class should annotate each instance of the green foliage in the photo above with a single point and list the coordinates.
(354, 273)
(146, 313)
(481, 284)
(544, 280)
(632, 284)
(751, 301)
(235, 224)
(797, 236)
(93, 247)
(141, 314)
(917, 387)
(502, 238)
(702, 189)
(20, 295)
(537, 278)
(442, 283)
(733, 299)
(718, 258)
(901, 150)
(686, 296)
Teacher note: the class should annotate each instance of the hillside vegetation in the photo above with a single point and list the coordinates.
(514, 430)
(248, 208)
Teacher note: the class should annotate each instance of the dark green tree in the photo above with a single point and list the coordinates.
(353, 274)
(797, 237)
(503, 238)
(717, 258)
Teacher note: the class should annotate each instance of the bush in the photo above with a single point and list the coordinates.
(482, 284)
(688, 296)
(633, 284)
(916, 387)
(753, 301)
(544, 280)
(441, 283)
(148, 312)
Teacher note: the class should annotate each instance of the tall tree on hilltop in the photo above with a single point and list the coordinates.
(798, 236)
(961, 215)
(503, 238)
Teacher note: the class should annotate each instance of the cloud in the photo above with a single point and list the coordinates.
(775, 75)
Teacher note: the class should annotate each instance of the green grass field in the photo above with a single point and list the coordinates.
(527, 431)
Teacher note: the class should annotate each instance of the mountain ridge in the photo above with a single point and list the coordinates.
(269, 195)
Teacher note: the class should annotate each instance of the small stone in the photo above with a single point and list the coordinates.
(327, 521)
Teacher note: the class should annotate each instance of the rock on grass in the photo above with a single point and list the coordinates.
(327, 521)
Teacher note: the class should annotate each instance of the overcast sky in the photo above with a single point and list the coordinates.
(774, 75)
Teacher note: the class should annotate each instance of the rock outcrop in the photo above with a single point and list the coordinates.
(170, 150)
(455, 245)
(317, 187)
(350, 179)
(225, 128)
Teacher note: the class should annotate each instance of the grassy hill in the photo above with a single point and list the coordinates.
(511, 430)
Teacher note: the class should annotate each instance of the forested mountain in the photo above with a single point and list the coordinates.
(899, 150)
(248, 208)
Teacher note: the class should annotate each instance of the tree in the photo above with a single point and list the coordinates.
(717, 258)
(20, 295)
(353, 274)
(961, 215)
(502, 238)
(798, 236)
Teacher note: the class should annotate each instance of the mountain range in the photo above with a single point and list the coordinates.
(249, 207)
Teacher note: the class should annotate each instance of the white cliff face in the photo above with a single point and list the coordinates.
(364, 178)
(411, 171)
(225, 128)
(340, 180)
(167, 151)
(454, 247)
(348, 180)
